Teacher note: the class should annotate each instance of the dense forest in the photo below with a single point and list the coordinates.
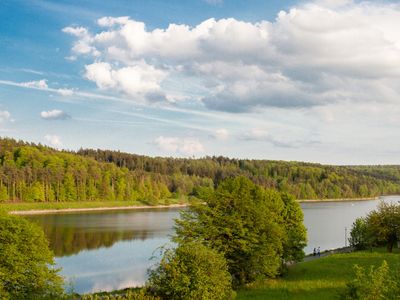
(37, 173)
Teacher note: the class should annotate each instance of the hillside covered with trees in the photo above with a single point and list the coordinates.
(37, 173)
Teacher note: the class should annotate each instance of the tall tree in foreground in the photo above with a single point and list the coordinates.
(254, 228)
(26, 263)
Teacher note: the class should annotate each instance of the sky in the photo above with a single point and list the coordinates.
(315, 81)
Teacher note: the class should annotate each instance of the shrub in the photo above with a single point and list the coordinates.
(191, 271)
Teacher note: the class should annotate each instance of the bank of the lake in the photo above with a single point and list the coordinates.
(23, 208)
(338, 199)
(322, 278)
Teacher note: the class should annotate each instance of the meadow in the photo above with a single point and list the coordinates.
(322, 278)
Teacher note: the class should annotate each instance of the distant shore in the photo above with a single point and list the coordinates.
(66, 210)
(337, 200)
(104, 206)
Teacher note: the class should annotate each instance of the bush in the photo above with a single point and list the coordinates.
(191, 271)
(373, 285)
(26, 263)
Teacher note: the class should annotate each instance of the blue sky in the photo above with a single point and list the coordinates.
(311, 80)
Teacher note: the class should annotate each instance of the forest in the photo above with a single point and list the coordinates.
(37, 173)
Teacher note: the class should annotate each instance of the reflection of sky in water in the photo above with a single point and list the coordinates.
(326, 222)
(122, 265)
(121, 243)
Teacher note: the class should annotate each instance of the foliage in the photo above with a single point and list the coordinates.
(35, 173)
(26, 263)
(373, 285)
(191, 271)
(359, 237)
(254, 228)
(384, 225)
(136, 294)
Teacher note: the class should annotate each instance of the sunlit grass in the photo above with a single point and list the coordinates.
(323, 278)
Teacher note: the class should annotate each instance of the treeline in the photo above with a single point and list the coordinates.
(30, 172)
(304, 180)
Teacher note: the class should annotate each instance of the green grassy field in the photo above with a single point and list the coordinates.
(18, 206)
(322, 278)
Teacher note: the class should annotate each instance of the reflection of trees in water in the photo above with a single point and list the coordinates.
(69, 240)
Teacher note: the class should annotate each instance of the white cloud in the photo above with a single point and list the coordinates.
(54, 114)
(53, 140)
(65, 92)
(186, 146)
(39, 84)
(4, 116)
(139, 80)
(315, 54)
(221, 134)
(168, 144)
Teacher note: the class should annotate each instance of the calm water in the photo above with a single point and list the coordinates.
(111, 250)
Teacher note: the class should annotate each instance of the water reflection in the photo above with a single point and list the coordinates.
(73, 232)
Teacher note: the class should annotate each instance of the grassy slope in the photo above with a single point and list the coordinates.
(318, 279)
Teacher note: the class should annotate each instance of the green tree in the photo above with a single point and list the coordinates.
(246, 223)
(3, 193)
(295, 230)
(384, 224)
(359, 237)
(26, 263)
(191, 271)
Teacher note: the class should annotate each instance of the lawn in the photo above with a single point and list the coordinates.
(323, 278)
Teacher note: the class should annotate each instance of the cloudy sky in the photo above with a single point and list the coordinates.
(290, 80)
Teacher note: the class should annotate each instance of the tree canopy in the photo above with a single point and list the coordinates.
(36, 173)
(26, 263)
(255, 229)
(379, 227)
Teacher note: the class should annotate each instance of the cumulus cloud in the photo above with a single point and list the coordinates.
(186, 146)
(140, 80)
(315, 54)
(54, 114)
(53, 140)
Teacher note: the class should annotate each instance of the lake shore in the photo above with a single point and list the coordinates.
(336, 200)
(67, 210)
(99, 206)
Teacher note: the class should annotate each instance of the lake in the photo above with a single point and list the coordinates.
(112, 249)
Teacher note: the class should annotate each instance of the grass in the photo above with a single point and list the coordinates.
(319, 279)
(18, 206)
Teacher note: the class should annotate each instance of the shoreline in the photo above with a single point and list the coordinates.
(338, 199)
(133, 207)
(66, 210)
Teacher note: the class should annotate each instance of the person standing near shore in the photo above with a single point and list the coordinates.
(319, 251)
(315, 252)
